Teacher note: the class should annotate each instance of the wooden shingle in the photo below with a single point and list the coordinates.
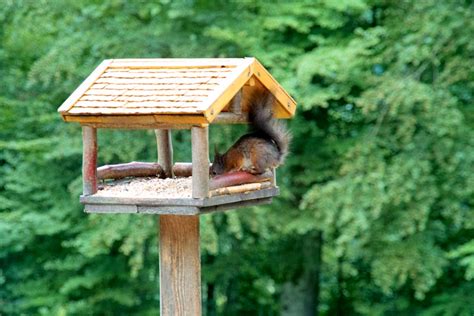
(147, 93)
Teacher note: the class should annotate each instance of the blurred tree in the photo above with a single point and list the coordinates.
(376, 207)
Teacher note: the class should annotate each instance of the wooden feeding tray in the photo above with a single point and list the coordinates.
(166, 94)
(155, 195)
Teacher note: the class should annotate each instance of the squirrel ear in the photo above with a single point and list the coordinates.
(216, 151)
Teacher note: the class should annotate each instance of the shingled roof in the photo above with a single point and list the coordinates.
(173, 91)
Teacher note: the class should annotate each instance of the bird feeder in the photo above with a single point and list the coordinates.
(162, 95)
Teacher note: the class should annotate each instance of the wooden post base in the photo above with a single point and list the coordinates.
(180, 266)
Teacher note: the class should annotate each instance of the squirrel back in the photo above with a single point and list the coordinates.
(264, 147)
(264, 125)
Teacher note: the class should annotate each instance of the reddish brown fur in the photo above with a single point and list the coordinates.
(263, 148)
(233, 160)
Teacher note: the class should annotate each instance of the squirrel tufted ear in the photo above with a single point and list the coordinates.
(216, 151)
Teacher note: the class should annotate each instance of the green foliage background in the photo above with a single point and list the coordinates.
(376, 212)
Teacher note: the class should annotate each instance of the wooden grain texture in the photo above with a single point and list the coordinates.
(124, 107)
(141, 169)
(200, 160)
(183, 169)
(180, 266)
(139, 121)
(231, 118)
(274, 177)
(130, 169)
(243, 188)
(115, 200)
(89, 160)
(284, 99)
(136, 126)
(233, 206)
(71, 100)
(155, 87)
(168, 70)
(170, 87)
(237, 178)
(236, 103)
(160, 201)
(162, 75)
(165, 151)
(160, 81)
(171, 210)
(142, 209)
(185, 206)
(222, 95)
(163, 92)
(247, 196)
(145, 98)
(105, 208)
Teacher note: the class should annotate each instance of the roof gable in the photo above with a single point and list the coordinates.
(179, 91)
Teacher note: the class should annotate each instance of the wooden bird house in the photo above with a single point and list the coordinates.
(166, 94)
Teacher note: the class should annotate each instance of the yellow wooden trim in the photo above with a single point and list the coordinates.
(280, 112)
(251, 81)
(86, 84)
(242, 71)
(228, 89)
(115, 119)
(139, 126)
(288, 103)
(124, 120)
(181, 119)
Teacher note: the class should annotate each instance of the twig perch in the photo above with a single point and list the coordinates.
(240, 188)
(238, 177)
(135, 169)
(141, 169)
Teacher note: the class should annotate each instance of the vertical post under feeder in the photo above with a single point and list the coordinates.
(89, 160)
(180, 265)
(222, 101)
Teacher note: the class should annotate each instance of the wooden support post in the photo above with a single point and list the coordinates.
(236, 105)
(200, 143)
(180, 266)
(165, 151)
(89, 160)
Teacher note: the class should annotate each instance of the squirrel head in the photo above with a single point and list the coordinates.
(217, 167)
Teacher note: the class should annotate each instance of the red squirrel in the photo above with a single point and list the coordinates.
(264, 147)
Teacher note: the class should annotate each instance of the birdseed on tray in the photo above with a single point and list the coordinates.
(149, 187)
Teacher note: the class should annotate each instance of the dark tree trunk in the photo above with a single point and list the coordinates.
(232, 291)
(302, 298)
(341, 299)
(312, 267)
(211, 308)
(211, 301)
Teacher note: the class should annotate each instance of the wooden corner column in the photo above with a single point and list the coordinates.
(165, 151)
(200, 153)
(180, 260)
(89, 160)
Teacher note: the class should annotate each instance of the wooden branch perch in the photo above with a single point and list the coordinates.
(240, 188)
(141, 169)
(238, 177)
(123, 170)
(222, 184)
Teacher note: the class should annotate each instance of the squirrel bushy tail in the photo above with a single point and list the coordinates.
(264, 125)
